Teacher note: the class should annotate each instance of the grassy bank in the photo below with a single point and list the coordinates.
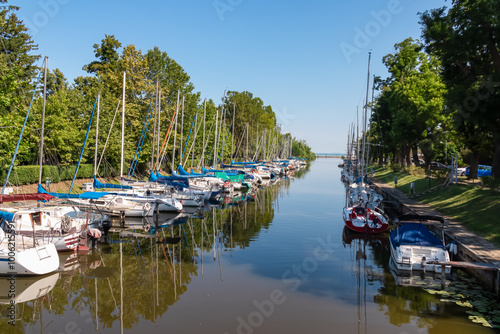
(476, 208)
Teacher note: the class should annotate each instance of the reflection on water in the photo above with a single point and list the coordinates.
(274, 262)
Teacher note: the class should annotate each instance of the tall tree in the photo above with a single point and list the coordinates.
(17, 67)
(414, 96)
(466, 39)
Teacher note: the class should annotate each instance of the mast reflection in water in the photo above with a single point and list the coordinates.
(276, 262)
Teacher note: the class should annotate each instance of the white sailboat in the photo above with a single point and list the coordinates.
(20, 256)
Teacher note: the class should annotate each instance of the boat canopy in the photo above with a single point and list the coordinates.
(99, 185)
(24, 197)
(8, 216)
(415, 234)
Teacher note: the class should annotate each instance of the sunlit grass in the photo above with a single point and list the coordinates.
(478, 209)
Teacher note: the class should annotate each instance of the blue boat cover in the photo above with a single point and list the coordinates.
(42, 190)
(8, 216)
(415, 234)
(85, 195)
(99, 185)
(152, 177)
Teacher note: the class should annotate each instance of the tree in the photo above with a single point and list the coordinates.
(466, 39)
(412, 101)
(17, 67)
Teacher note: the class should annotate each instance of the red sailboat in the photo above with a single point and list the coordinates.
(365, 220)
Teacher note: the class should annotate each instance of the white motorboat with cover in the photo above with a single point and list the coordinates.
(414, 247)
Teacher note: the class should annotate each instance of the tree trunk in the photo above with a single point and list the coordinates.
(408, 155)
(414, 151)
(473, 165)
(495, 168)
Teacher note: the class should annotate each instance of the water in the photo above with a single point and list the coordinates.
(280, 264)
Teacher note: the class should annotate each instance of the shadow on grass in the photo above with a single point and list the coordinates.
(476, 208)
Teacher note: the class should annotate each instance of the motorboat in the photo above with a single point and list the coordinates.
(414, 247)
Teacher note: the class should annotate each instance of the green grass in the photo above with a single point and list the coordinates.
(421, 182)
(477, 209)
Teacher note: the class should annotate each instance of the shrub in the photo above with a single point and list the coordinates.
(395, 167)
(51, 172)
(415, 170)
(490, 182)
(24, 175)
(84, 172)
(441, 174)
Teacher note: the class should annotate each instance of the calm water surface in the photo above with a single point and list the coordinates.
(279, 264)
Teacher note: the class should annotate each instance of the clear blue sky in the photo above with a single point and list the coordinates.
(307, 59)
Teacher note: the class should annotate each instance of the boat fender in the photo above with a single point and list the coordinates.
(454, 248)
(147, 207)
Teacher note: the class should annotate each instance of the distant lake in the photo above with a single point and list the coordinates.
(331, 154)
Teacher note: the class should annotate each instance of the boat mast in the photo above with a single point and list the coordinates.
(175, 129)
(96, 133)
(232, 141)
(203, 148)
(123, 125)
(364, 168)
(215, 136)
(43, 119)
(155, 110)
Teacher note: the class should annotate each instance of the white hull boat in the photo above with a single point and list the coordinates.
(414, 247)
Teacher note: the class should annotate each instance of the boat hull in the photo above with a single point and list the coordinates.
(33, 261)
(372, 222)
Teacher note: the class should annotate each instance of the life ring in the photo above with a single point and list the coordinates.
(147, 207)
(254, 170)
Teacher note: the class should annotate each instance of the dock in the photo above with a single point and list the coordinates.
(476, 254)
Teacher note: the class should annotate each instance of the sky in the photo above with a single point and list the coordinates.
(308, 60)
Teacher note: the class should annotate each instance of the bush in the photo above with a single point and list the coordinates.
(22, 175)
(395, 167)
(415, 170)
(51, 172)
(490, 182)
(84, 172)
(442, 174)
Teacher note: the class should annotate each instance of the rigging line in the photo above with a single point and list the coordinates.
(138, 150)
(109, 134)
(83, 147)
(21, 135)
(191, 148)
(241, 140)
(165, 140)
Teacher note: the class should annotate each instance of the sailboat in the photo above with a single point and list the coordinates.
(362, 213)
(20, 255)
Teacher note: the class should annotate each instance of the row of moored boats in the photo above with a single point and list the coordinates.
(33, 229)
(413, 245)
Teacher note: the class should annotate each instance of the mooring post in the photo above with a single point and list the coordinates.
(443, 276)
(497, 285)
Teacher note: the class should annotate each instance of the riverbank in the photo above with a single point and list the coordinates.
(472, 247)
(476, 207)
